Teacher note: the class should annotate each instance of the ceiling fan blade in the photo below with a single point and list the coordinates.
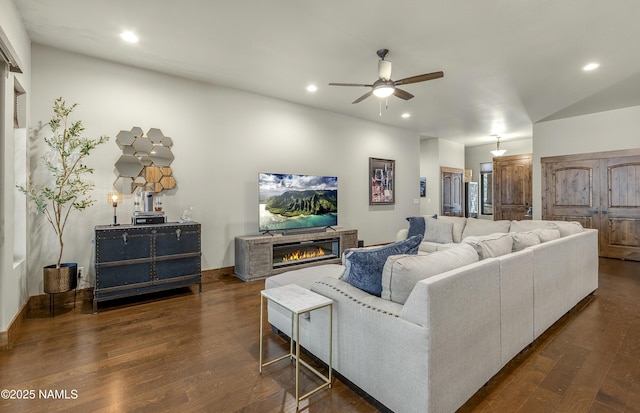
(363, 97)
(419, 78)
(402, 94)
(349, 84)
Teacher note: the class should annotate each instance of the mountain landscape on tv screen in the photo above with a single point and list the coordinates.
(307, 202)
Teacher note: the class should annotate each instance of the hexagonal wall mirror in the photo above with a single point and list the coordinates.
(145, 161)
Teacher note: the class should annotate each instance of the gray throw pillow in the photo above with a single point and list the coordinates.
(363, 266)
(438, 231)
(458, 226)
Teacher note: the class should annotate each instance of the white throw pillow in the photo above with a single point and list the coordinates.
(569, 227)
(493, 245)
(547, 234)
(522, 240)
(402, 272)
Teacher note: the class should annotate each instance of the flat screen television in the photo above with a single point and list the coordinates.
(289, 201)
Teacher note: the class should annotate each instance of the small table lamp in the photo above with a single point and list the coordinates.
(114, 198)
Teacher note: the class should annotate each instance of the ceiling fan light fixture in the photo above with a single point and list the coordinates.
(383, 90)
(384, 69)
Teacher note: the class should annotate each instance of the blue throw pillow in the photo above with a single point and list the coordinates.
(363, 266)
(417, 225)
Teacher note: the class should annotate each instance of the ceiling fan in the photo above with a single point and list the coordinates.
(384, 86)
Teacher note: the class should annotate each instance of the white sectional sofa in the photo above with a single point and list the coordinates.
(431, 348)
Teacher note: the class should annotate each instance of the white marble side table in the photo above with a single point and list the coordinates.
(297, 301)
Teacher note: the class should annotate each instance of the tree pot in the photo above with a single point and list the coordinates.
(60, 280)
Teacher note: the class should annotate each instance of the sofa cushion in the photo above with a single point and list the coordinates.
(480, 227)
(530, 225)
(458, 226)
(492, 245)
(363, 266)
(547, 234)
(522, 240)
(402, 272)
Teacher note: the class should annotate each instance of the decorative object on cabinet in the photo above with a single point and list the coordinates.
(140, 259)
(382, 181)
(114, 198)
(145, 161)
(67, 190)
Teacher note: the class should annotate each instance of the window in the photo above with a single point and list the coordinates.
(486, 188)
(19, 172)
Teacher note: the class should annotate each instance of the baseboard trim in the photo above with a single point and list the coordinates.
(217, 275)
(7, 337)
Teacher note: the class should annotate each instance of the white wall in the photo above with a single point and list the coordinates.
(222, 139)
(436, 153)
(13, 279)
(599, 132)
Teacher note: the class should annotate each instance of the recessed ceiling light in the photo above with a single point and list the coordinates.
(128, 36)
(312, 88)
(591, 66)
(406, 115)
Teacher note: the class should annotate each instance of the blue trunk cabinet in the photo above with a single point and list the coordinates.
(140, 259)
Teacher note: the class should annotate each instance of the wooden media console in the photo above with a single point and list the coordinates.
(260, 256)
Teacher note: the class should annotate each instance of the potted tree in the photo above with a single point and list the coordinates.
(68, 190)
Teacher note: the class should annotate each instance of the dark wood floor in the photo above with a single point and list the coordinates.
(192, 352)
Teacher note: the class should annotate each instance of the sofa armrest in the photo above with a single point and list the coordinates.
(370, 343)
(402, 234)
(461, 311)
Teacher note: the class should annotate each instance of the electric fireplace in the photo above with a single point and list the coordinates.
(302, 252)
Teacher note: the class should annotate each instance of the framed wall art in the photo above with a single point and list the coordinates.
(382, 181)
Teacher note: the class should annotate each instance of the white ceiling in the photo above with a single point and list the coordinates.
(507, 63)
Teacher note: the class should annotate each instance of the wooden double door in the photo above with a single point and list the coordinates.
(599, 190)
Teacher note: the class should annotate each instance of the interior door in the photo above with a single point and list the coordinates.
(571, 191)
(620, 208)
(599, 190)
(452, 191)
(512, 187)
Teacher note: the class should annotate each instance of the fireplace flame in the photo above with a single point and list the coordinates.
(303, 255)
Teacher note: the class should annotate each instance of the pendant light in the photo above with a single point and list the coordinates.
(498, 151)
